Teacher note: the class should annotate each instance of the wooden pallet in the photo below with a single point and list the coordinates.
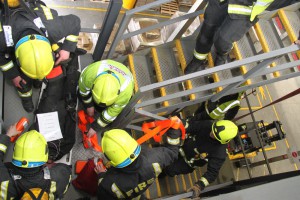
(188, 3)
(169, 8)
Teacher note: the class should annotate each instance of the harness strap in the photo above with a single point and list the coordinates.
(160, 128)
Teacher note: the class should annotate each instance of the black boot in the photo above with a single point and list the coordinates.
(27, 104)
(220, 59)
(195, 65)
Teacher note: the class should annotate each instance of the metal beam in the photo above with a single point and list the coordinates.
(109, 21)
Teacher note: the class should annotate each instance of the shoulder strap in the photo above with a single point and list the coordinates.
(36, 19)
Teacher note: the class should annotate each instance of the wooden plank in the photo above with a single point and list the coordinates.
(169, 8)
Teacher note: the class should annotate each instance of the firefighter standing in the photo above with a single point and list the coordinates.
(133, 168)
(205, 144)
(226, 108)
(106, 86)
(226, 21)
(25, 44)
(26, 175)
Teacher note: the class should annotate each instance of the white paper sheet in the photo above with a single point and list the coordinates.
(49, 126)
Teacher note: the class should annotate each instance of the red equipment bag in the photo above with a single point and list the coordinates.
(87, 179)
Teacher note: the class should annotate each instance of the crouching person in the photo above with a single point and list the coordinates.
(26, 177)
(134, 168)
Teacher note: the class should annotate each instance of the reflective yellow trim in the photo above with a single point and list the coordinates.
(72, 38)
(3, 190)
(7, 66)
(47, 12)
(200, 56)
(27, 94)
(204, 181)
(89, 100)
(100, 180)
(156, 168)
(67, 186)
(52, 190)
(3, 148)
(238, 9)
(173, 141)
(101, 123)
(84, 93)
(117, 191)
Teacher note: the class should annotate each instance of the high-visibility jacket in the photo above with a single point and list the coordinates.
(60, 176)
(132, 181)
(86, 82)
(221, 108)
(21, 22)
(247, 8)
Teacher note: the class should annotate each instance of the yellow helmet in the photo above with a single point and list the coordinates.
(120, 148)
(36, 192)
(224, 131)
(30, 150)
(106, 88)
(12, 3)
(35, 56)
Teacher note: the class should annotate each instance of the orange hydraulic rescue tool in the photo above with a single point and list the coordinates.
(21, 125)
(83, 123)
(160, 128)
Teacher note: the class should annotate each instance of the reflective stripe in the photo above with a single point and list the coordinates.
(173, 141)
(72, 38)
(107, 116)
(67, 186)
(100, 180)
(84, 93)
(88, 100)
(238, 9)
(101, 123)
(27, 94)
(47, 12)
(204, 181)
(156, 168)
(3, 190)
(7, 66)
(1, 27)
(52, 190)
(218, 113)
(3, 148)
(200, 56)
(117, 191)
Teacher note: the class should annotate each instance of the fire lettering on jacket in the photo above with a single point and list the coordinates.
(140, 187)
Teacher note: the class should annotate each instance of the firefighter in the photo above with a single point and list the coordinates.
(26, 46)
(226, 108)
(106, 86)
(205, 144)
(226, 21)
(26, 175)
(133, 168)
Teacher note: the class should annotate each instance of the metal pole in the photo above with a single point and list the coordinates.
(259, 136)
(243, 150)
(110, 19)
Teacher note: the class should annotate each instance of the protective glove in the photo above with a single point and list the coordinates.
(173, 136)
(196, 192)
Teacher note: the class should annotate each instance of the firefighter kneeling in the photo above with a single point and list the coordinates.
(133, 169)
(26, 177)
